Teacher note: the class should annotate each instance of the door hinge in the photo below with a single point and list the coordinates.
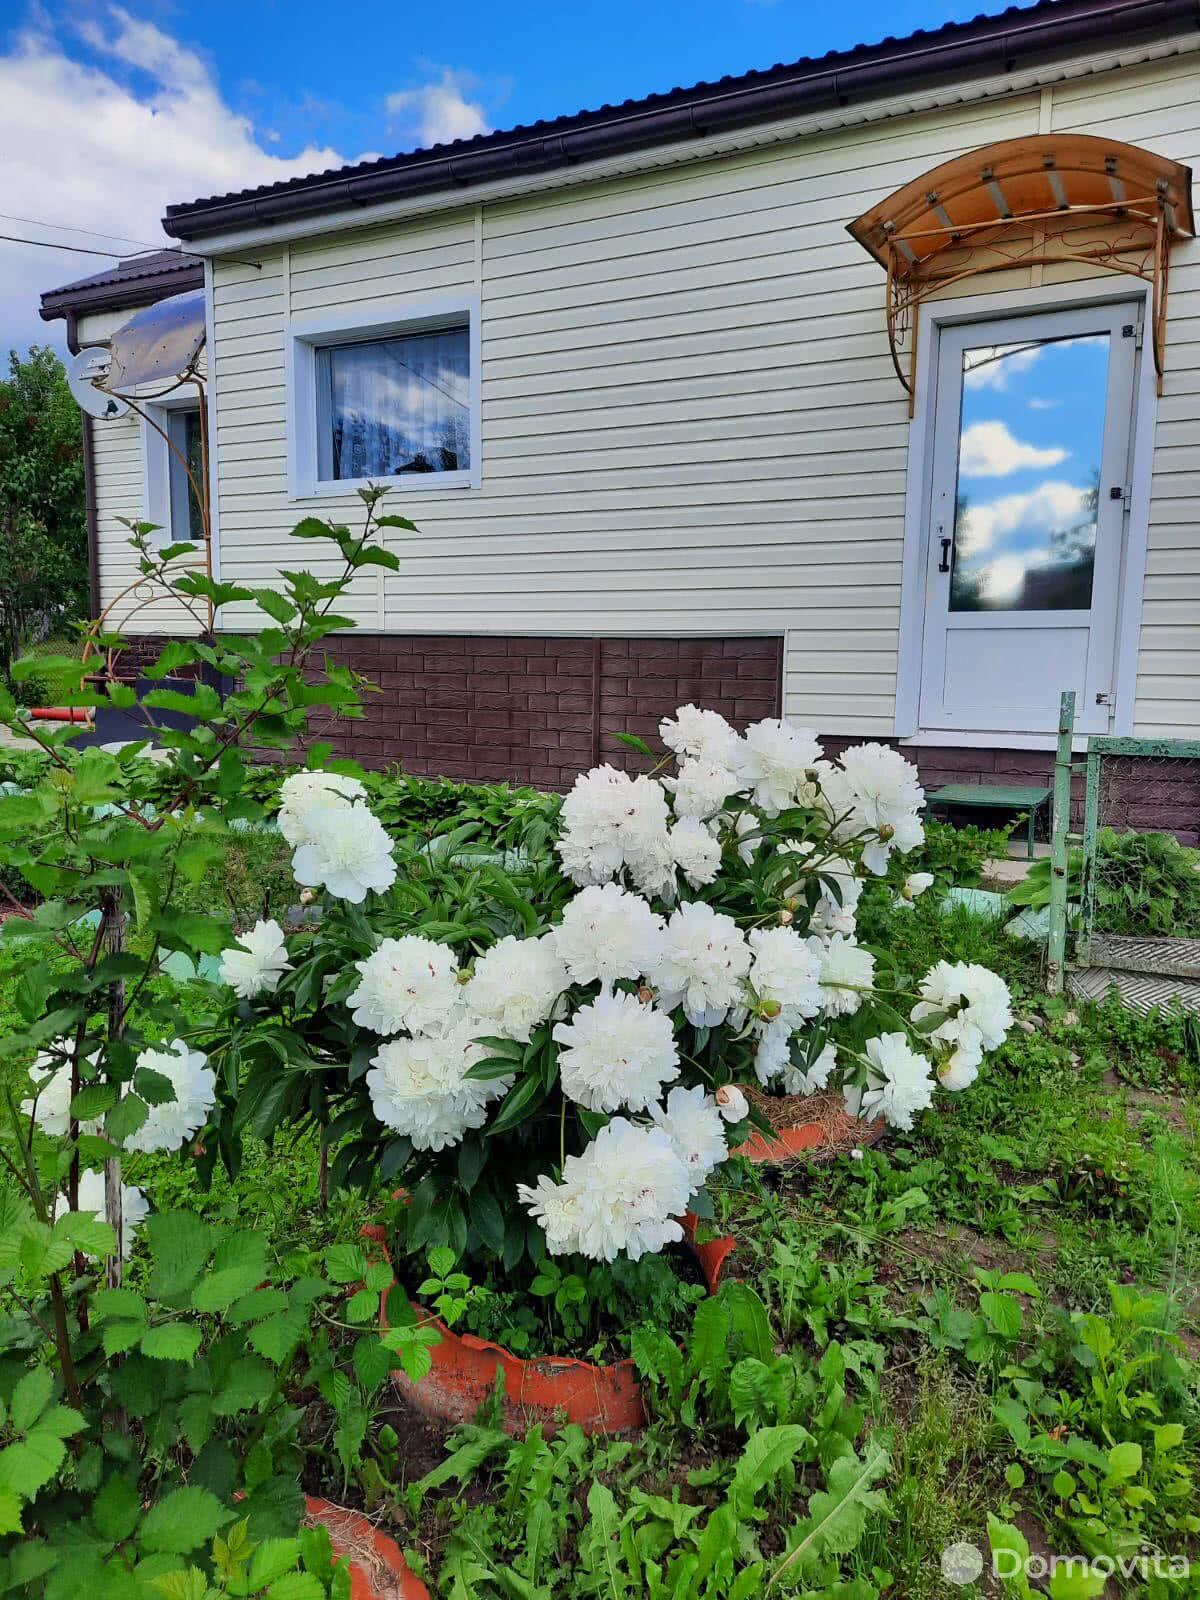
(1134, 331)
(1123, 493)
(1103, 698)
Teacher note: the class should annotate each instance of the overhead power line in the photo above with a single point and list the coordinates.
(69, 227)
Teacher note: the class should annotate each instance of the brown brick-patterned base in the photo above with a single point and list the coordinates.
(538, 711)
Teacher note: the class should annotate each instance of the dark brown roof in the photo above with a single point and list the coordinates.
(134, 281)
(1021, 36)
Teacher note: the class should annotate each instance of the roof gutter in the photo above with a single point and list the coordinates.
(999, 46)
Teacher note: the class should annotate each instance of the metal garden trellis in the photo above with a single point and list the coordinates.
(1149, 970)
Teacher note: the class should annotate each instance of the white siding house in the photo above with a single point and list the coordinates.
(680, 419)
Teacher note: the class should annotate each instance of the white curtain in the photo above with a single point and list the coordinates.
(401, 405)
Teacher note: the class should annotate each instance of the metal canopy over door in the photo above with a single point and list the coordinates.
(1029, 493)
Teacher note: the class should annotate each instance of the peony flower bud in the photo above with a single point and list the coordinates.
(786, 918)
(646, 995)
(732, 1103)
(307, 897)
(768, 1010)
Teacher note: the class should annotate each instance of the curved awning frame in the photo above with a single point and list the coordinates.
(1041, 201)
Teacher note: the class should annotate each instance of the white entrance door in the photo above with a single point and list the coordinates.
(1032, 437)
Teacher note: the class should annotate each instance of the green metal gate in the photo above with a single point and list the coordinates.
(1147, 970)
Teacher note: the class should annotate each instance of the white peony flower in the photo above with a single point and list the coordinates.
(785, 972)
(346, 850)
(846, 969)
(701, 788)
(702, 734)
(693, 1123)
(609, 820)
(978, 1013)
(899, 1081)
(407, 984)
(696, 852)
(775, 761)
(616, 1052)
(703, 960)
(915, 884)
(52, 1095)
(134, 1206)
(515, 985)
(653, 869)
(173, 1121)
(305, 792)
(622, 1195)
(419, 1087)
(874, 790)
(559, 1208)
(607, 933)
(798, 1081)
(258, 966)
(774, 1051)
(732, 1103)
(958, 1072)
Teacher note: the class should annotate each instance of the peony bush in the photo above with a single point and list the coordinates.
(550, 1057)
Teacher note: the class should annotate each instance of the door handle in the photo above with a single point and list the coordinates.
(944, 564)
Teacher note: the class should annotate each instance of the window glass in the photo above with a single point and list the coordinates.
(183, 428)
(1029, 448)
(398, 405)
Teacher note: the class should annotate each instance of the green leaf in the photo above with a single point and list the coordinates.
(125, 1118)
(297, 1586)
(1003, 1312)
(766, 1454)
(346, 1263)
(186, 1519)
(271, 1560)
(25, 1467)
(87, 1233)
(172, 1341)
(10, 1512)
(837, 1514)
(93, 1101)
(217, 1291)
(116, 1509)
(30, 1398)
(179, 1243)
(1124, 1461)
(279, 1335)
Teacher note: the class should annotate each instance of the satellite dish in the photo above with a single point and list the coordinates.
(87, 371)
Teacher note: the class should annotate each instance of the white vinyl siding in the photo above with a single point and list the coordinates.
(690, 422)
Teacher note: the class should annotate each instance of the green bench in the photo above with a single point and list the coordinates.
(997, 796)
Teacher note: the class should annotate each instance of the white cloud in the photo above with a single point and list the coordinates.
(1051, 507)
(439, 113)
(991, 366)
(989, 450)
(83, 146)
(1038, 404)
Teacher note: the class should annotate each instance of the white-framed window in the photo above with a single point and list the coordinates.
(169, 493)
(1026, 514)
(391, 400)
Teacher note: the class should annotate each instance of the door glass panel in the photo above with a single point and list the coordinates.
(1028, 475)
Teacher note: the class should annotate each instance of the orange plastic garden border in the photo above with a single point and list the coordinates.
(358, 1537)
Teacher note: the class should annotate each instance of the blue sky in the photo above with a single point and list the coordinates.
(110, 111)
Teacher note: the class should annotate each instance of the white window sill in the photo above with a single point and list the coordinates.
(409, 482)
